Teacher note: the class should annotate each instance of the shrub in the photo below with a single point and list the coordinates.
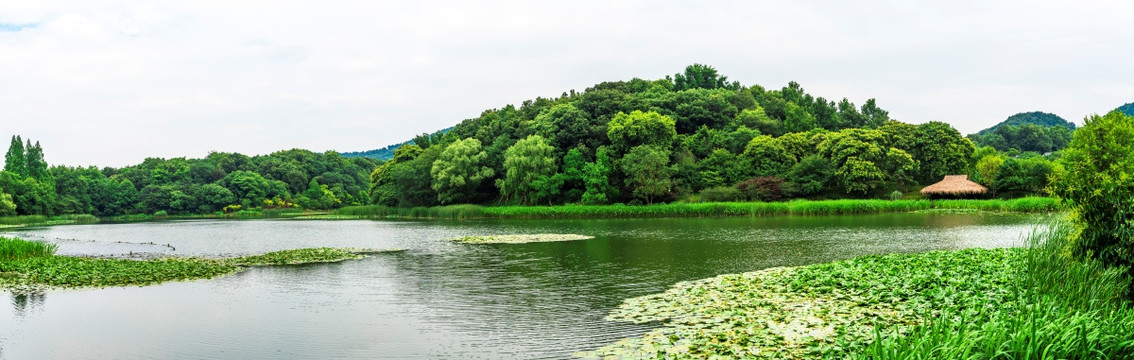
(1094, 181)
(721, 194)
(761, 188)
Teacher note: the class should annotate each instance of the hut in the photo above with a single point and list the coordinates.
(955, 186)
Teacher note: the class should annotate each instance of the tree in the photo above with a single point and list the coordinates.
(572, 176)
(698, 76)
(568, 127)
(759, 120)
(7, 206)
(526, 162)
(987, 169)
(15, 161)
(875, 116)
(641, 128)
(859, 176)
(647, 172)
(36, 166)
(940, 150)
(765, 156)
(808, 177)
(459, 170)
(596, 178)
(1095, 182)
(796, 119)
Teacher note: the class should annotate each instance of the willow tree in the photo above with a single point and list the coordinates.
(459, 170)
(527, 165)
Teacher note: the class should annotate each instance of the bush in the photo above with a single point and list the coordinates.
(1094, 180)
(721, 194)
(762, 188)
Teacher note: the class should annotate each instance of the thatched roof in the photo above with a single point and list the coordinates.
(955, 185)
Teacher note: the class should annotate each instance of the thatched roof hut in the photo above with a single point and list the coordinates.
(954, 186)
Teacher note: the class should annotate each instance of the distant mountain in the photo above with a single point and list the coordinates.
(1035, 117)
(385, 153)
(1128, 109)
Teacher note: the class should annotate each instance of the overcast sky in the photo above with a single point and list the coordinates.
(110, 83)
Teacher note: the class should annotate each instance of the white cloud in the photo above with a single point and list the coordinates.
(109, 83)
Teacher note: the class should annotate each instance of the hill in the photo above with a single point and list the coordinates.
(1128, 109)
(1031, 131)
(385, 153)
(1034, 117)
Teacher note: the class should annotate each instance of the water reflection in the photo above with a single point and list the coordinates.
(28, 303)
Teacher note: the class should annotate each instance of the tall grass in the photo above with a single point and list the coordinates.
(18, 249)
(23, 220)
(1061, 309)
(798, 207)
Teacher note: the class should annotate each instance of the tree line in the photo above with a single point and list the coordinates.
(219, 182)
(692, 136)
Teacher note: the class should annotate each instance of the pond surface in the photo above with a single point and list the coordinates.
(437, 299)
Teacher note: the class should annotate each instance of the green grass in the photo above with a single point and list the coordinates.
(19, 249)
(1061, 309)
(1021, 303)
(798, 207)
(47, 270)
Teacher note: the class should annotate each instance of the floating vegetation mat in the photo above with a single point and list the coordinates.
(520, 238)
(39, 273)
(810, 312)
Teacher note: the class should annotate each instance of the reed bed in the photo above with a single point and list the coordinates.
(798, 207)
(19, 249)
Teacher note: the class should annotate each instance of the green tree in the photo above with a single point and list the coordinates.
(36, 166)
(7, 206)
(526, 162)
(699, 76)
(808, 177)
(765, 156)
(1095, 182)
(759, 120)
(596, 178)
(647, 172)
(987, 169)
(940, 150)
(859, 176)
(459, 170)
(15, 161)
(641, 128)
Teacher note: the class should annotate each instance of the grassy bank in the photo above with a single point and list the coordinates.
(40, 220)
(39, 268)
(971, 304)
(799, 207)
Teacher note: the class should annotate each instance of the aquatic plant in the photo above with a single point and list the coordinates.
(71, 272)
(519, 239)
(18, 249)
(797, 207)
(813, 311)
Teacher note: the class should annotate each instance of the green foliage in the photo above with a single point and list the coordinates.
(940, 150)
(698, 76)
(765, 156)
(459, 170)
(7, 206)
(988, 170)
(1023, 176)
(808, 177)
(527, 165)
(647, 172)
(721, 194)
(637, 128)
(15, 160)
(1095, 182)
(596, 179)
(19, 249)
(1058, 308)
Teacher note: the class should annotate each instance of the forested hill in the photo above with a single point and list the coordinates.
(387, 153)
(1035, 117)
(1128, 109)
(693, 135)
(1031, 131)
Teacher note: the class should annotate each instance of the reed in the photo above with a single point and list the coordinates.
(711, 209)
(19, 249)
(1061, 309)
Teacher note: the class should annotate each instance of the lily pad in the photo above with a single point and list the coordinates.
(520, 238)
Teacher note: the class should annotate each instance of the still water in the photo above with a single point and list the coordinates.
(437, 299)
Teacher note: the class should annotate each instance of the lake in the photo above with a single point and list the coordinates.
(437, 299)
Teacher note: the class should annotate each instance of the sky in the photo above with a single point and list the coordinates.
(110, 83)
